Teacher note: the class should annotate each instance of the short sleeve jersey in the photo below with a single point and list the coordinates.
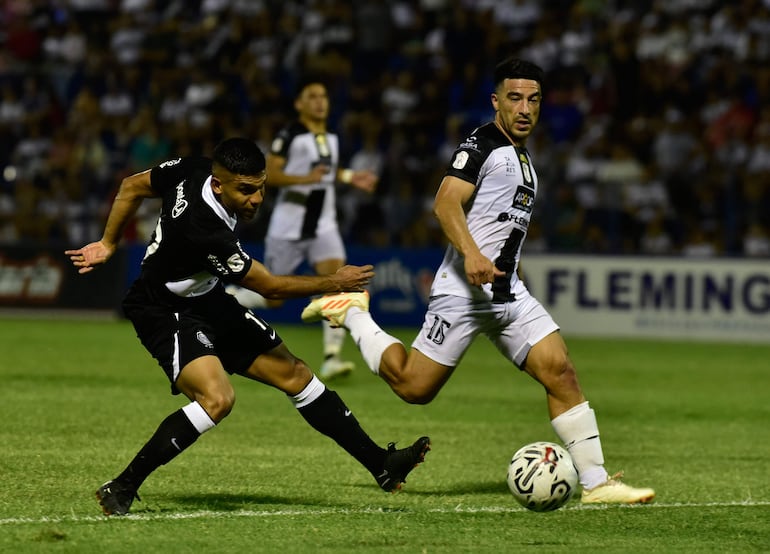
(304, 211)
(498, 213)
(194, 245)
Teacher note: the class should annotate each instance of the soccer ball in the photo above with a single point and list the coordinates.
(542, 476)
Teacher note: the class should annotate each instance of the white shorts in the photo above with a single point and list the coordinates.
(452, 323)
(283, 257)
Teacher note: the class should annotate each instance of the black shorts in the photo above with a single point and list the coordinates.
(177, 331)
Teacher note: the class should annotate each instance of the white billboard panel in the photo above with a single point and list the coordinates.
(707, 299)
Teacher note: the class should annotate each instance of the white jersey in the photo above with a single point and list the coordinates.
(304, 211)
(498, 214)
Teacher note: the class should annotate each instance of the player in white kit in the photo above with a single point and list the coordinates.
(484, 206)
(304, 164)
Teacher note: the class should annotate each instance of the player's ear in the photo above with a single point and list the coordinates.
(216, 185)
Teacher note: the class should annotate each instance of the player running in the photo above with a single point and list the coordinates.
(484, 206)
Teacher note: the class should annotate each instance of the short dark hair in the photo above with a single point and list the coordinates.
(308, 80)
(240, 156)
(515, 68)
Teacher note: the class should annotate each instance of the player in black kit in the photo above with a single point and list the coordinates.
(198, 333)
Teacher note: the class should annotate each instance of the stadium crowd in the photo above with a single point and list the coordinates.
(654, 134)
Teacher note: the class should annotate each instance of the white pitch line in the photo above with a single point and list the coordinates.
(214, 514)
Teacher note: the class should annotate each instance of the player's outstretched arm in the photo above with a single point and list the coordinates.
(364, 180)
(348, 278)
(133, 190)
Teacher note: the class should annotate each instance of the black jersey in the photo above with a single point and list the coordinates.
(194, 245)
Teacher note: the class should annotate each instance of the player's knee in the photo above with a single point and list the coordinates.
(553, 368)
(218, 404)
(560, 373)
(415, 393)
(297, 378)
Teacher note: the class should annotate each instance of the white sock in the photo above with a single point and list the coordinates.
(198, 417)
(370, 339)
(313, 390)
(247, 298)
(333, 339)
(578, 430)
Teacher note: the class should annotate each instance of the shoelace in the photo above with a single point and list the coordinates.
(615, 479)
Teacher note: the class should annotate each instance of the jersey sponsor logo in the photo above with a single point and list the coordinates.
(169, 163)
(502, 217)
(235, 263)
(180, 204)
(461, 158)
(510, 166)
(203, 339)
(244, 255)
(470, 142)
(214, 261)
(524, 199)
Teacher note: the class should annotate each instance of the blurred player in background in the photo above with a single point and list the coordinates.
(198, 333)
(303, 164)
(484, 206)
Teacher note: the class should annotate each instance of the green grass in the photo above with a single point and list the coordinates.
(80, 397)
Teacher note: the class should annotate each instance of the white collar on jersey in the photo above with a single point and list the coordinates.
(216, 205)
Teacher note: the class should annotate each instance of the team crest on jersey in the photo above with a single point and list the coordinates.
(235, 263)
(525, 168)
(524, 199)
(323, 145)
(461, 158)
(203, 339)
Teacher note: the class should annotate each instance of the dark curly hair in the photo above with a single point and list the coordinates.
(240, 156)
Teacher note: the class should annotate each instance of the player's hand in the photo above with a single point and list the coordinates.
(364, 180)
(480, 270)
(317, 173)
(91, 255)
(353, 278)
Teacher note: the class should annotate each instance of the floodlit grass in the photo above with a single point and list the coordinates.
(81, 397)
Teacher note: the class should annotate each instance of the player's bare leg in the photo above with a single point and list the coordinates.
(575, 423)
(413, 377)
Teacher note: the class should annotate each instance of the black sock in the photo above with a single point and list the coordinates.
(174, 434)
(328, 414)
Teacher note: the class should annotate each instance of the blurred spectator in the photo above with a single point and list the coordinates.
(655, 124)
(756, 242)
(655, 240)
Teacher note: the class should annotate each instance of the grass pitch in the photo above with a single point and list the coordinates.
(81, 397)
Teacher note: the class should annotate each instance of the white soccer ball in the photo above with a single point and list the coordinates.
(542, 476)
